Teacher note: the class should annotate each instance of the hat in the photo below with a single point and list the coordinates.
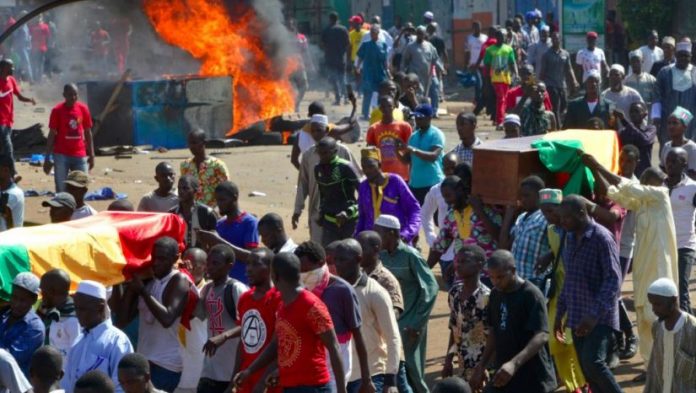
(387, 221)
(593, 74)
(537, 13)
(592, 34)
(667, 40)
(422, 111)
(546, 28)
(551, 196)
(512, 118)
(61, 199)
(356, 19)
(27, 281)
(428, 15)
(636, 53)
(371, 153)
(529, 15)
(663, 287)
(684, 46)
(92, 288)
(77, 179)
(618, 67)
(320, 119)
(682, 115)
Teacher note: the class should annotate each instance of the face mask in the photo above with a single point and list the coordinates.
(312, 278)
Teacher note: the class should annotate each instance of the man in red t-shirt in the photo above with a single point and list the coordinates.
(40, 34)
(99, 43)
(386, 136)
(8, 89)
(69, 138)
(303, 333)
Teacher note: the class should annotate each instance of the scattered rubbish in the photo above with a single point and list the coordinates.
(138, 182)
(123, 157)
(162, 150)
(104, 194)
(40, 109)
(107, 171)
(257, 194)
(35, 193)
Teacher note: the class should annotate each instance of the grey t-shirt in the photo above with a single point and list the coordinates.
(689, 146)
(220, 366)
(419, 58)
(151, 202)
(623, 99)
(553, 68)
(82, 212)
(12, 379)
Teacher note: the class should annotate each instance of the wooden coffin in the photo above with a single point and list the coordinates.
(500, 166)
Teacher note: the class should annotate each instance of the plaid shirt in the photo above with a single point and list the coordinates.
(593, 277)
(465, 154)
(530, 242)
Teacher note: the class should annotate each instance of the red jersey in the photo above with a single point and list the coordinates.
(69, 124)
(386, 137)
(8, 89)
(301, 353)
(513, 96)
(257, 319)
(100, 39)
(40, 34)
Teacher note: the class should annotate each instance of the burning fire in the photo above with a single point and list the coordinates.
(224, 46)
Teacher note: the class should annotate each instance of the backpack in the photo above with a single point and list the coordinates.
(229, 299)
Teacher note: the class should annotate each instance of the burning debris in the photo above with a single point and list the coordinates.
(230, 40)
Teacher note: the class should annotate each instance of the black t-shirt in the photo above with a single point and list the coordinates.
(439, 45)
(515, 318)
(336, 43)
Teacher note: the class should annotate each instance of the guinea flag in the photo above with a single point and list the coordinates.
(107, 247)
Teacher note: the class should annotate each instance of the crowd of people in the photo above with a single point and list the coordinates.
(534, 290)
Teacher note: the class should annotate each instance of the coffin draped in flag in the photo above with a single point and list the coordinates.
(107, 247)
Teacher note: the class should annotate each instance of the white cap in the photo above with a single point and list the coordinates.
(636, 53)
(684, 46)
(92, 288)
(618, 67)
(512, 118)
(27, 281)
(545, 28)
(387, 221)
(663, 287)
(428, 15)
(320, 119)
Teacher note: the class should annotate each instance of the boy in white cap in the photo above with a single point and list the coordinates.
(671, 366)
(21, 330)
(102, 345)
(511, 126)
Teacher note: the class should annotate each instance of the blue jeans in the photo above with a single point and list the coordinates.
(6, 144)
(685, 262)
(377, 380)
(63, 165)
(434, 94)
(592, 353)
(164, 379)
(478, 92)
(402, 379)
(25, 64)
(308, 389)
(367, 97)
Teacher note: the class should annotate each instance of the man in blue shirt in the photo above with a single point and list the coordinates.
(424, 153)
(372, 66)
(101, 345)
(236, 227)
(21, 330)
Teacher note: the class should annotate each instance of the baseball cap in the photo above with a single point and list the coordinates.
(423, 110)
(61, 199)
(77, 179)
(592, 34)
(356, 19)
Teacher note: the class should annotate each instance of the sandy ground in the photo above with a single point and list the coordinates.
(265, 169)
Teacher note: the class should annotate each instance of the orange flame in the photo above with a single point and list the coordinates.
(224, 46)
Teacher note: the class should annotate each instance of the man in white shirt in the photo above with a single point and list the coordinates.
(11, 196)
(384, 35)
(474, 42)
(651, 52)
(592, 58)
(12, 379)
(273, 235)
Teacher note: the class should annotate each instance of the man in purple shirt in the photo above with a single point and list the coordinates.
(385, 193)
(591, 292)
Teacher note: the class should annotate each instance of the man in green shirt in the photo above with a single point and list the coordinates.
(500, 61)
(419, 288)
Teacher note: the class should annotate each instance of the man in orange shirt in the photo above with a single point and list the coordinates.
(99, 43)
(387, 135)
(40, 34)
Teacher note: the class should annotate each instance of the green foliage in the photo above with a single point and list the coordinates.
(641, 16)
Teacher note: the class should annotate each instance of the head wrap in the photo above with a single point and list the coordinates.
(387, 221)
(684, 46)
(92, 288)
(682, 115)
(667, 40)
(512, 118)
(320, 119)
(618, 67)
(663, 287)
(371, 153)
(551, 196)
